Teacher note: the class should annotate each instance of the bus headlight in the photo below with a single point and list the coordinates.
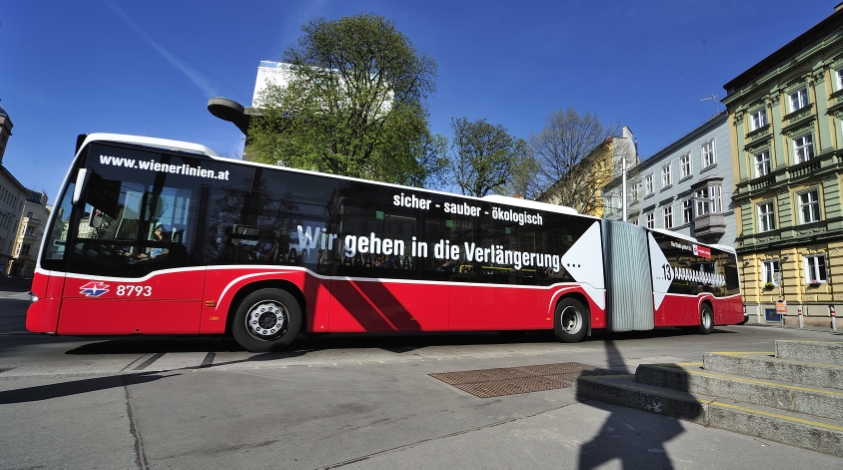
(33, 298)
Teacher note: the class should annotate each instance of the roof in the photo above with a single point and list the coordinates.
(3, 112)
(824, 28)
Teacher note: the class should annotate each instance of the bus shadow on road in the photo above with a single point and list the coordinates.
(634, 438)
(76, 387)
(90, 385)
(397, 343)
(154, 344)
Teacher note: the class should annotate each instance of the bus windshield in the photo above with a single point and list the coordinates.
(128, 222)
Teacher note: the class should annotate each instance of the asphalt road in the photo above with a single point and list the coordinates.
(349, 401)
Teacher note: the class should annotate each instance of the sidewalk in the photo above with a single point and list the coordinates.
(793, 324)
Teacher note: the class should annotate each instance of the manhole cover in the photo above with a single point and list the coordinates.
(487, 383)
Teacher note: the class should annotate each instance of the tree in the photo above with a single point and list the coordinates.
(575, 159)
(355, 104)
(485, 155)
(522, 181)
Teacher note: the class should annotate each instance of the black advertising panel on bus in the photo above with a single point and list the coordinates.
(393, 232)
(687, 267)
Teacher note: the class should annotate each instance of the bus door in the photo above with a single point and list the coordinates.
(130, 266)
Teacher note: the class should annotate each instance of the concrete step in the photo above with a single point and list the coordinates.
(690, 377)
(822, 352)
(797, 429)
(766, 366)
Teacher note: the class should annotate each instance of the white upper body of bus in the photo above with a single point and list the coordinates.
(180, 146)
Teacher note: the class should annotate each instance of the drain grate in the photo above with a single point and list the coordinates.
(488, 383)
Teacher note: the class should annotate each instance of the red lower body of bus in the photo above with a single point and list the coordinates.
(201, 301)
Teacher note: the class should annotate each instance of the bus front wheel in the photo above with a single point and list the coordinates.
(706, 320)
(267, 320)
(570, 321)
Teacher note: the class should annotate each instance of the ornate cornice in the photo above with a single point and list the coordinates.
(819, 76)
(799, 121)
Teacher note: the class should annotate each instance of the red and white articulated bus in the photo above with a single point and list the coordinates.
(153, 236)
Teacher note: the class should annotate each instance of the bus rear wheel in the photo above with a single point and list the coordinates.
(570, 321)
(267, 320)
(706, 320)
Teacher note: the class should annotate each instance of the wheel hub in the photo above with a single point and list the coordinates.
(267, 320)
(571, 319)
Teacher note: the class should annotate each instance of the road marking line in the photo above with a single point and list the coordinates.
(149, 361)
(208, 361)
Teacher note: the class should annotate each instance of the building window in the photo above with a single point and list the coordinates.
(838, 75)
(666, 179)
(29, 214)
(687, 211)
(649, 183)
(762, 164)
(25, 250)
(701, 198)
(798, 99)
(685, 165)
(714, 193)
(809, 206)
(766, 217)
(759, 119)
(634, 192)
(815, 269)
(803, 148)
(771, 271)
(651, 220)
(708, 157)
(668, 216)
(709, 199)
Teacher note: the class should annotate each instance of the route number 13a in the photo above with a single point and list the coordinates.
(668, 271)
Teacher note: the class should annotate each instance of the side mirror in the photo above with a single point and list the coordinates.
(96, 219)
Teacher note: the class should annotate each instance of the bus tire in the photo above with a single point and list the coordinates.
(706, 320)
(570, 322)
(267, 320)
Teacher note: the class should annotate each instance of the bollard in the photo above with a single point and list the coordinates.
(799, 312)
(833, 318)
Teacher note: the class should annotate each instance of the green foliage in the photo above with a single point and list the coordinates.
(354, 105)
(523, 180)
(485, 155)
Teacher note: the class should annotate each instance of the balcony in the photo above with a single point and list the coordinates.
(803, 169)
(763, 182)
(710, 227)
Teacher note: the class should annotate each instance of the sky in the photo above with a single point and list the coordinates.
(149, 68)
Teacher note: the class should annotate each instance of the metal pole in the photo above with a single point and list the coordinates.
(833, 318)
(799, 312)
(623, 189)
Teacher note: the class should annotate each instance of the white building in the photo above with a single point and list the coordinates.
(30, 234)
(686, 187)
(281, 73)
(275, 73)
(12, 197)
